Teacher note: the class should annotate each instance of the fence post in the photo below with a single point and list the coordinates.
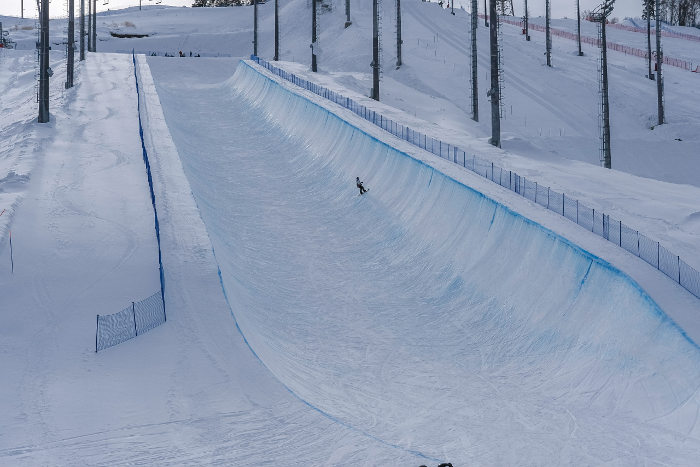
(547, 197)
(562, 204)
(535, 192)
(577, 211)
(97, 331)
(658, 256)
(491, 173)
(637, 242)
(679, 269)
(133, 312)
(620, 233)
(593, 222)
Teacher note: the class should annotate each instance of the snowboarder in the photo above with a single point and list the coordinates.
(360, 186)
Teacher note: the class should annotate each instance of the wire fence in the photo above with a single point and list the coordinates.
(597, 222)
(140, 317)
(675, 62)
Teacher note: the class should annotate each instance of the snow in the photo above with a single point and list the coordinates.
(438, 318)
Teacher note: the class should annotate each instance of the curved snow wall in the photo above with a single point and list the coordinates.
(537, 302)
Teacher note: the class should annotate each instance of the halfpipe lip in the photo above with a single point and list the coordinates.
(678, 305)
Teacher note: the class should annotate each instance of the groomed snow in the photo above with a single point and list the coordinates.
(411, 326)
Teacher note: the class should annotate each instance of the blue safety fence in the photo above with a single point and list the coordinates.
(130, 322)
(597, 222)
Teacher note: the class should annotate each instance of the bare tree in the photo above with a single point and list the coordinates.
(647, 14)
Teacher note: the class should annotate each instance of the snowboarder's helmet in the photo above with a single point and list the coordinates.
(357, 178)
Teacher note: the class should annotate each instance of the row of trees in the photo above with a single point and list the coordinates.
(680, 12)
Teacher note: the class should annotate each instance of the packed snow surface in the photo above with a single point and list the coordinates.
(423, 312)
(436, 318)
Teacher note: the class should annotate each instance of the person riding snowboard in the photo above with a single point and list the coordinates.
(360, 186)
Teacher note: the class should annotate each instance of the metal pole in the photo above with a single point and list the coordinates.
(548, 36)
(82, 30)
(527, 23)
(578, 21)
(255, 27)
(649, 75)
(659, 61)
(486, 15)
(606, 108)
(70, 60)
(347, 13)
(94, 26)
(314, 65)
(494, 92)
(22, 8)
(399, 41)
(277, 31)
(475, 83)
(44, 63)
(89, 29)
(375, 50)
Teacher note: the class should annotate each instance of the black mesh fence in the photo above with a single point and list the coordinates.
(114, 329)
(597, 222)
(130, 322)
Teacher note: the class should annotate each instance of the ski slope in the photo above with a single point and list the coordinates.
(436, 319)
(423, 313)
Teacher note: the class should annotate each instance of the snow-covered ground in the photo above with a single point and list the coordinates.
(391, 329)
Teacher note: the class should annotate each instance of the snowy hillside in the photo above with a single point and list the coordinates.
(551, 115)
(437, 318)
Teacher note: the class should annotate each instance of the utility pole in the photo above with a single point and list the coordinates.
(314, 66)
(494, 92)
(44, 71)
(70, 60)
(89, 31)
(347, 13)
(474, 80)
(578, 21)
(659, 61)
(399, 41)
(94, 25)
(526, 23)
(647, 14)
(548, 35)
(255, 27)
(607, 162)
(22, 8)
(600, 16)
(82, 30)
(277, 31)
(486, 15)
(375, 50)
